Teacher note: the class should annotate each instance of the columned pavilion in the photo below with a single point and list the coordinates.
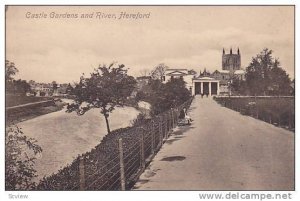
(206, 85)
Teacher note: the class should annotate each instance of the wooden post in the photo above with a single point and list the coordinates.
(175, 117)
(152, 137)
(166, 125)
(81, 174)
(270, 119)
(142, 152)
(256, 113)
(278, 121)
(122, 168)
(160, 130)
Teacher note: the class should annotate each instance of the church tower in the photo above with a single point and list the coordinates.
(231, 61)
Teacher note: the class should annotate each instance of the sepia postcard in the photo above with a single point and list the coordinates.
(150, 98)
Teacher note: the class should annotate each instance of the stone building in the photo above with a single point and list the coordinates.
(215, 83)
(218, 82)
(231, 62)
(181, 73)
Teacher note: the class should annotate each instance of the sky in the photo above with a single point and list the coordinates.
(47, 48)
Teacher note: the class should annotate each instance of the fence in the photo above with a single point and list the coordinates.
(279, 111)
(119, 160)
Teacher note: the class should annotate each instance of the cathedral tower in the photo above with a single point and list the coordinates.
(231, 61)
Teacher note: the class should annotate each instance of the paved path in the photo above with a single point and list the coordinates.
(222, 150)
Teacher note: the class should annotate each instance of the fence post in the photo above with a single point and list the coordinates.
(81, 174)
(270, 119)
(175, 117)
(143, 165)
(152, 137)
(122, 169)
(166, 125)
(160, 131)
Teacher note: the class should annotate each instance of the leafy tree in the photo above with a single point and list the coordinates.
(239, 86)
(264, 75)
(107, 88)
(20, 158)
(54, 87)
(21, 87)
(166, 96)
(10, 71)
(14, 86)
(280, 83)
(69, 89)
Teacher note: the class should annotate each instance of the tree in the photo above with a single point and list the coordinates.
(239, 86)
(54, 87)
(280, 83)
(145, 72)
(21, 87)
(20, 158)
(264, 75)
(107, 88)
(159, 72)
(166, 96)
(14, 86)
(10, 71)
(69, 89)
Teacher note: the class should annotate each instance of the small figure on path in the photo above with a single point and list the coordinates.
(188, 118)
(184, 119)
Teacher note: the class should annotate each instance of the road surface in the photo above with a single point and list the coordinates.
(222, 150)
(63, 136)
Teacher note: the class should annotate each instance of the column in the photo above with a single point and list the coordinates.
(201, 87)
(194, 89)
(209, 88)
(218, 90)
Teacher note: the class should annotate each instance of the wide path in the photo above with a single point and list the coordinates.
(63, 136)
(222, 150)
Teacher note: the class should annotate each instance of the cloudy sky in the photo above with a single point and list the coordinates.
(61, 49)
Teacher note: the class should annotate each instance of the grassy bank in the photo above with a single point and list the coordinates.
(28, 112)
(279, 111)
(15, 99)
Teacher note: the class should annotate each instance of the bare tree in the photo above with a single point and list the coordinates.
(159, 71)
(145, 72)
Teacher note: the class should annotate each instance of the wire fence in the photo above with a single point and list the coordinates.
(119, 160)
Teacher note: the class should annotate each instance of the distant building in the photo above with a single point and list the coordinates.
(180, 73)
(231, 61)
(47, 89)
(219, 81)
(215, 83)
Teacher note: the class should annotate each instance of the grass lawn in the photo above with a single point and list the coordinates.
(14, 100)
(279, 111)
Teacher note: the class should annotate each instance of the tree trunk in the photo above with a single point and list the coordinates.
(107, 124)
